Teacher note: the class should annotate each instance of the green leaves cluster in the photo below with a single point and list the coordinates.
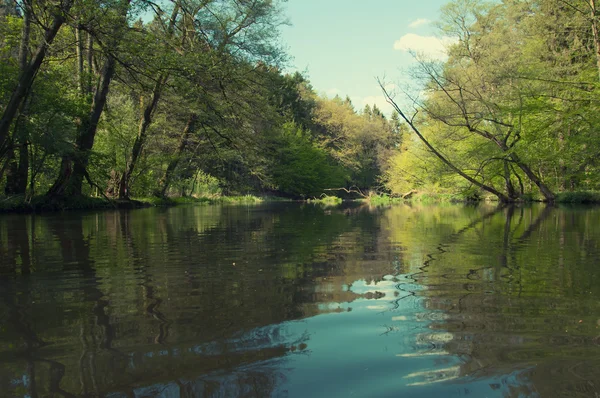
(515, 104)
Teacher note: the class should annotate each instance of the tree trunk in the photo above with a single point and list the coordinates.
(11, 173)
(79, 52)
(18, 183)
(23, 170)
(90, 63)
(73, 168)
(548, 194)
(596, 34)
(189, 129)
(140, 140)
(493, 191)
(24, 48)
(28, 74)
(510, 188)
(14, 175)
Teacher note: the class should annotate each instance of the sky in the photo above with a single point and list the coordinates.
(343, 45)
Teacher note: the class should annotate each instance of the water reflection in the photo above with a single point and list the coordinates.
(297, 300)
(517, 290)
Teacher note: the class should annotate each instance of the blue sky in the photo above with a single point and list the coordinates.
(344, 45)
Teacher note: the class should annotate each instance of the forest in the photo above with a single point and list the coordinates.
(127, 99)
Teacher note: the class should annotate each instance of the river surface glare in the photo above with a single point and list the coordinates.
(298, 300)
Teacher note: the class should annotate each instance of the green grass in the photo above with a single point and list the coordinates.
(383, 200)
(242, 199)
(239, 199)
(327, 200)
(165, 202)
(428, 198)
(425, 198)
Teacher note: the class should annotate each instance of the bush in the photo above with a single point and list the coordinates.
(327, 200)
(578, 197)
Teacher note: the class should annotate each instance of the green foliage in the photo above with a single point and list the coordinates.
(301, 168)
(326, 200)
(362, 143)
(514, 106)
(382, 200)
(256, 130)
(578, 197)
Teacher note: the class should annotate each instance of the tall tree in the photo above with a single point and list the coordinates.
(73, 167)
(60, 12)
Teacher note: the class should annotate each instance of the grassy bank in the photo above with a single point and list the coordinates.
(326, 200)
(587, 197)
(246, 199)
(382, 200)
(578, 197)
(18, 204)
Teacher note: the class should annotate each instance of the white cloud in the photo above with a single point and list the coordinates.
(418, 22)
(430, 46)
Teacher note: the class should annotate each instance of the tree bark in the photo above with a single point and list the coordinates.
(595, 33)
(90, 63)
(27, 76)
(79, 53)
(24, 48)
(493, 191)
(73, 167)
(548, 194)
(510, 188)
(16, 178)
(140, 140)
(189, 129)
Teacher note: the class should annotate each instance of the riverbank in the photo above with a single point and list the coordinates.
(18, 204)
(586, 197)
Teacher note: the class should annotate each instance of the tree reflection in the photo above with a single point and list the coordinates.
(197, 301)
(132, 302)
(524, 308)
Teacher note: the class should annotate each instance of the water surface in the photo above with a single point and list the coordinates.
(298, 300)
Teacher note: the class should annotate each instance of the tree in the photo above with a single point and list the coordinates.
(73, 168)
(29, 71)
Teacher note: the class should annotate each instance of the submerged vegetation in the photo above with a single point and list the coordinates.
(116, 100)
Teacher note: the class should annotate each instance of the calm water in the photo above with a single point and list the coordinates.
(301, 301)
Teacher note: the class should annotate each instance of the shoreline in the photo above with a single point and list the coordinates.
(43, 204)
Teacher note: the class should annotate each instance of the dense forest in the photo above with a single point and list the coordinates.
(132, 98)
(513, 112)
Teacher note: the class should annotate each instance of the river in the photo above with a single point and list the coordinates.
(297, 300)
